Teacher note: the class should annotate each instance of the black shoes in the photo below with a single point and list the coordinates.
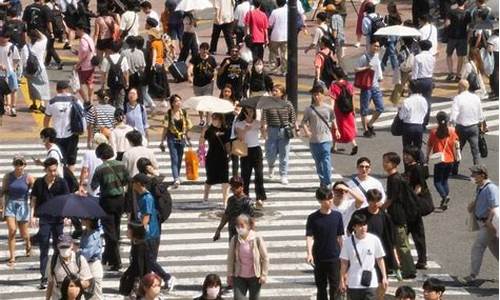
(421, 266)
(354, 150)
(444, 203)
(43, 284)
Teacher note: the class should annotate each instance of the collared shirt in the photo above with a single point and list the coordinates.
(466, 109)
(423, 65)
(374, 61)
(413, 110)
(429, 32)
(278, 21)
(43, 193)
(91, 245)
(486, 199)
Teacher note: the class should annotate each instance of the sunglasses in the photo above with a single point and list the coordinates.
(364, 166)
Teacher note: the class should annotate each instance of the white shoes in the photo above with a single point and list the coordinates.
(284, 180)
(271, 172)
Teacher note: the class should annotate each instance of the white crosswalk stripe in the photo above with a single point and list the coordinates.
(187, 249)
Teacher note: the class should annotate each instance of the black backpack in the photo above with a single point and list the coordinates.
(68, 175)
(328, 38)
(327, 74)
(15, 28)
(377, 23)
(163, 200)
(344, 100)
(473, 80)
(116, 78)
(32, 63)
(77, 116)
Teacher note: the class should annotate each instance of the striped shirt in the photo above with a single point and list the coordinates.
(111, 177)
(99, 116)
(281, 117)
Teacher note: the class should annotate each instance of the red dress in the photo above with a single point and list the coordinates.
(361, 15)
(346, 122)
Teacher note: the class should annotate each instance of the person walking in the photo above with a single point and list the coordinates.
(370, 60)
(91, 249)
(257, 25)
(176, 126)
(105, 25)
(84, 67)
(324, 238)
(412, 113)
(258, 83)
(456, 23)
(393, 18)
(474, 67)
(136, 115)
(422, 73)
(100, 118)
(277, 127)
(233, 70)
(428, 32)
(115, 73)
(361, 254)
(38, 82)
(486, 199)
(362, 181)
(247, 130)
(137, 67)
(15, 205)
(443, 139)
(316, 123)
(189, 38)
(224, 17)
(247, 260)
(211, 289)
(346, 201)
(137, 151)
(240, 12)
(278, 22)
(117, 138)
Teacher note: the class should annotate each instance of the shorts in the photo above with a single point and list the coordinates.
(86, 76)
(372, 94)
(104, 44)
(12, 81)
(204, 90)
(18, 209)
(69, 148)
(460, 45)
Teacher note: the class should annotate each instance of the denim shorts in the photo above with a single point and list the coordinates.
(18, 209)
(12, 81)
(372, 94)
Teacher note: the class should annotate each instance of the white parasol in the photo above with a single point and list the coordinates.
(209, 104)
(189, 5)
(398, 30)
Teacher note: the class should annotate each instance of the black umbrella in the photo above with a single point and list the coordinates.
(72, 205)
(263, 102)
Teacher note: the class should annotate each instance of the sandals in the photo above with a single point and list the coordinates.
(11, 262)
(28, 250)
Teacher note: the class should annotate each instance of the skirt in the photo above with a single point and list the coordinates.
(38, 85)
(347, 126)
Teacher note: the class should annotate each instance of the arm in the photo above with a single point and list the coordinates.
(340, 241)
(96, 31)
(358, 198)
(46, 121)
(264, 260)
(309, 247)
(84, 173)
(222, 223)
(190, 73)
(230, 261)
(50, 287)
(145, 220)
(343, 275)
(381, 266)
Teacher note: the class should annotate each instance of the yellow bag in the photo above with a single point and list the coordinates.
(191, 160)
(239, 148)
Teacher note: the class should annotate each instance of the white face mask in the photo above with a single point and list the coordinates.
(241, 231)
(65, 252)
(213, 292)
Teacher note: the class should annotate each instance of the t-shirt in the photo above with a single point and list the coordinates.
(320, 131)
(203, 70)
(55, 152)
(8, 54)
(117, 140)
(59, 109)
(367, 184)
(137, 117)
(241, 10)
(236, 207)
(158, 46)
(42, 193)
(396, 210)
(459, 19)
(60, 273)
(234, 73)
(252, 135)
(369, 249)
(99, 116)
(346, 209)
(114, 59)
(495, 219)
(132, 155)
(376, 222)
(37, 16)
(135, 59)
(374, 61)
(278, 21)
(226, 9)
(257, 21)
(91, 162)
(325, 228)
(130, 21)
(85, 52)
(147, 206)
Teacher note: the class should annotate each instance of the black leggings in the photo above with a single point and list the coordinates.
(253, 161)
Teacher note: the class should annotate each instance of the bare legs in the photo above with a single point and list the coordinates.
(12, 225)
(225, 189)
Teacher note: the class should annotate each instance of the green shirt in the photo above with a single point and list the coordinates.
(110, 177)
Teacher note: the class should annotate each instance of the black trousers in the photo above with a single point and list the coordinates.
(153, 245)
(425, 86)
(189, 43)
(327, 273)
(235, 165)
(51, 52)
(494, 76)
(258, 51)
(417, 231)
(253, 161)
(412, 136)
(227, 30)
(69, 148)
(113, 206)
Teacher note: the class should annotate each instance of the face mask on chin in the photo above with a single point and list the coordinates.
(213, 292)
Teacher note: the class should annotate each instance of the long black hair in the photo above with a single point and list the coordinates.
(442, 129)
(65, 286)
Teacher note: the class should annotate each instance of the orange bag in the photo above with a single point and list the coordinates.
(191, 160)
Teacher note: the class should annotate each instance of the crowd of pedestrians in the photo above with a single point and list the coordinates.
(357, 238)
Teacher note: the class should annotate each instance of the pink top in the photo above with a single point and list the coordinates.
(258, 23)
(85, 52)
(246, 258)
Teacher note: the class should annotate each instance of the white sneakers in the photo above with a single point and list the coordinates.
(271, 172)
(284, 180)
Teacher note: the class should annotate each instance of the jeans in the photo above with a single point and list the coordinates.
(417, 231)
(227, 30)
(404, 251)
(372, 94)
(441, 174)
(152, 254)
(390, 54)
(189, 43)
(146, 98)
(327, 273)
(469, 134)
(176, 150)
(253, 161)
(243, 285)
(277, 144)
(322, 159)
(425, 86)
(49, 226)
(485, 239)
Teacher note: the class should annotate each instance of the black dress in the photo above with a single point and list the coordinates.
(217, 165)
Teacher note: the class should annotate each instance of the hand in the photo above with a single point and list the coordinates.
(342, 286)
(306, 50)
(230, 280)
(337, 134)
(385, 283)
(262, 280)
(310, 259)
(33, 222)
(216, 235)
(81, 191)
(470, 207)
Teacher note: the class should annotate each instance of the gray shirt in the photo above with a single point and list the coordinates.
(338, 26)
(320, 132)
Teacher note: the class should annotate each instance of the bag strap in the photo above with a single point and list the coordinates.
(479, 190)
(114, 172)
(320, 116)
(356, 250)
(358, 184)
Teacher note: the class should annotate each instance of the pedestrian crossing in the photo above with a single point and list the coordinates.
(187, 250)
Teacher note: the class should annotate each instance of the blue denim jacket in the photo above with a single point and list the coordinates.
(91, 245)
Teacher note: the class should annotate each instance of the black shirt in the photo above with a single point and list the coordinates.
(459, 19)
(234, 74)
(325, 229)
(37, 16)
(236, 207)
(42, 192)
(396, 210)
(203, 70)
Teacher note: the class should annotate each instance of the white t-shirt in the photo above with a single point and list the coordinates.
(118, 141)
(56, 153)
(278, 21)
(127, 21)
(429, 32)
(8, 54)
(91, 162)
(114, 58)
(60, 113)
(240, 12)
(131, 156)
(369, 249)
(346, 209)
(226, 10)
(494, 41)
(154, 15)
(367, 184)
(252, 135)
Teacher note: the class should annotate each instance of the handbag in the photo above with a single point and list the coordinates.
(397, 126)
(364, 79)
(438, 157)
(483, 146)
(287, 129)
(366, 276)
(239, 148)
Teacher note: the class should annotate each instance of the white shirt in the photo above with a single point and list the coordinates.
(60, 112)
(226, 11)
(466, 109)
(494, 41)
(8, 54)
(56, 153)
(252, 135)
(278, 21)
(319, 33)
(127, 21)
(91, 162)
(413, 110)
(240, 12)
(367, 184)
(429, 32)
(131, 156)
(346, 208)
(117, 140)
(114, 58)
(369, 249)
(423, 65)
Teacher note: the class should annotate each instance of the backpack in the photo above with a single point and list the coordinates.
(68, 175)
(77, 116)
(16, 29)
(344, 100)
(163, 200)
(473, 79)
(377, 23)
(327, 74)
(410, 201)
(329, 39)
(116, 79)
(57, 23)
(32, 63)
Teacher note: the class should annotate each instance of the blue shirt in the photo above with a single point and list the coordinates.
(137, 117)
(486, 199)
(147, 207)
(91, 245)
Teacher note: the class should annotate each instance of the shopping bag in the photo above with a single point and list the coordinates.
(74, 82)
(239, 148)
(364, 79)
(191, 161)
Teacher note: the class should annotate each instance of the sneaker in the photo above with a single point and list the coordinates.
(171, 284)
(467, 280)
(271, 172)
(284, 180)
(367, 134)
(32, 107)
(399, 276)
(59, 66)
(259, 204)
(202, 123)
(43, 283)
(371, 130)
(177, 182)
(354, 150)
(13, 112)
(421, 266)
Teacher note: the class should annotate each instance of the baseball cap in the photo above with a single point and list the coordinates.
(479, 169)
(64, 240)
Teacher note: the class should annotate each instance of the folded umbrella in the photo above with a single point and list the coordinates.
(72, 205)
(398, 30)
(189, 5)
(209, 104)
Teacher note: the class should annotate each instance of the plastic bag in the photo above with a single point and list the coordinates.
(74, 82)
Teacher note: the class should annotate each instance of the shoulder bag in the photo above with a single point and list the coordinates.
(239, 148)
(438, 157)
(366, 276)
(289, 134)
(397, 125)
(364, 79)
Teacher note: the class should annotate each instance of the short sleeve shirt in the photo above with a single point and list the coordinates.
(320, 131)
(42, 192)
(486, 199)
(203, 70)
(60, 274)
(8, 54)
(59, 109)
(258, 23)
(157, 45)
(325, 228)
(147, 206)
(374, 61)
